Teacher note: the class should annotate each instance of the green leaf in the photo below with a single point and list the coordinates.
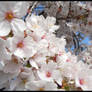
(67, 88)
(28, 65)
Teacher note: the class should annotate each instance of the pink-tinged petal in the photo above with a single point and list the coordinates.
(11, 44)
(43, 76)
(12, 67)
(52, 65)
(5, 28)
(29, 52)
(56, 74)
(18, 25)
(3, 52)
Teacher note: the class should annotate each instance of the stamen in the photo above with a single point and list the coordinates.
(48, 74)
(68, 60)
(9, 16)
(43, 37)
(82, 81)
(20, 45)
(41, 89)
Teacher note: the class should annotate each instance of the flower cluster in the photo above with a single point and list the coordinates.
(32, 57)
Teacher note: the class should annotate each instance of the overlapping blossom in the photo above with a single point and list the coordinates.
(33, 58)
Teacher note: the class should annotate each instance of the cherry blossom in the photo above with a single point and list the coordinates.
(10, 16)
(34, 58)
(84, 80)
(41, 86)
(22, 47)
(49, 72)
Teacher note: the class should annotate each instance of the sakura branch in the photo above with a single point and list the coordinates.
(31, 9)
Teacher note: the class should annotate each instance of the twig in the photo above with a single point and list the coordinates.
(31, 9)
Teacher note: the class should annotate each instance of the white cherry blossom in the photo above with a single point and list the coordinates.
(22, 47)
(10, 16)
(41, 86)
(49, 72)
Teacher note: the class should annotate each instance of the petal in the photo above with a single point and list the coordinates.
(20, 9)
(30, 22)
(20, 87)
(53, 28)
(51, 86)
(11, 68)
(33, 18)
(1, 65)
(5, 85)
(20, 53)
(29, 52)
(43, 44)
(42, 76)
(29, 42)
(14, 83)
(18, 25)
(34, 64)
(3, 52)
(5, 77)
(2, 16)
(52, 65)
(31, 85)
(6, 6)
(57, 76)
(11, 44)
(5, 28)
(50, 20)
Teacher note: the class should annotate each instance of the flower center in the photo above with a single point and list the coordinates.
(81, 81)
(20, 45)
(50, 25)
(68, 60)
(9, 16)
(35, 26)
(25, 33)
(55, 58)
(90, 23)
(41, 89)
(15, 60)
(43, 37)
(48, 74)
(24, 81)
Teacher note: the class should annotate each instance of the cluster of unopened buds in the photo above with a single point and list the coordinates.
(32, 57)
